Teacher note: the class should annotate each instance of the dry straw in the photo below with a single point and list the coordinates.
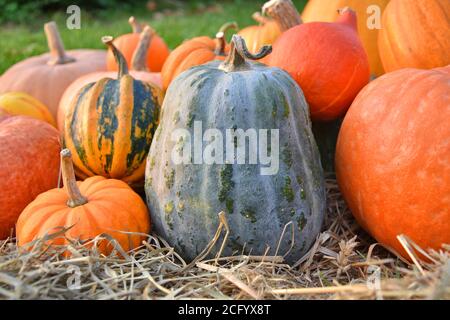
(344, 263)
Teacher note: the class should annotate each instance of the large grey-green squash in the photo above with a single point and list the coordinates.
(185, 199)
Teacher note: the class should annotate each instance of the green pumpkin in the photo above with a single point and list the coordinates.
(185, 199)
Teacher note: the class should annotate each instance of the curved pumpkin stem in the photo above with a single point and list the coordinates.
(139, 59)
(221, 42)
(348, 16)
(258, 17)
(135, 25)
(55, 45)
(70, 183)
(120, 59)
(284, 12)
(239, 53)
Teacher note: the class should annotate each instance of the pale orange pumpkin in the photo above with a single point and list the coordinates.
(45, 77)
(139, 71)
(90, 208)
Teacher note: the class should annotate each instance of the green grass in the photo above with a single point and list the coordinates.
(24, 40)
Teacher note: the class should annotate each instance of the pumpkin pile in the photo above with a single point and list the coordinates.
(132, 122)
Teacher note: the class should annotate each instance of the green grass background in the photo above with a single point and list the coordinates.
(21, 40)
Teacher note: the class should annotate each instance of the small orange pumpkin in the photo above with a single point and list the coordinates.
(157, 53)
(195, 52)
(90, 208)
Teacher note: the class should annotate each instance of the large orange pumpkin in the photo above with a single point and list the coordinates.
(393, 157)
(157, 49)
(194, 52)
(257, 36)
(20, 103)
(28, 166)
(46, 76)
(139, 71)
(327, 11)
(90, 208)
(327, 60)
(415, 34)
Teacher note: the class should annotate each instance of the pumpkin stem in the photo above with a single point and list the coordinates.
(55, 45)
(221, 42)
(70, 183)
(120, 59)
(135, 25)
(239, 53)
(284, 12)
(139, 59)
(258, 17)
(348, 16)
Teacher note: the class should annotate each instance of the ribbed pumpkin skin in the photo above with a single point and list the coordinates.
(327, 11)
(74, 88)
(109, 128)
(29, 153)
(191, 53)
(20, 103)
(185, 200)
(415, 34)
(328, 62)
(392, 159)
(112, 207)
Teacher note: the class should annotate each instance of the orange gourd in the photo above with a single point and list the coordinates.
(327, 11)
(90, 208)
(139, 71)
(327, 60)
(45, 77)
(157, 49)
(28, 166)
(194, 52)
(392, 158)
(415, 34)
(20, 103)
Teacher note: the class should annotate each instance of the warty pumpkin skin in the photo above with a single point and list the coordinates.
(89, 208)
(415, 34)
(20, 103)
(45, 77)
(138, 71)
(195, 52)
(392, 158)
(28, 166)
(127, 44)
(110, 124)
(327, 60)
(185, 199)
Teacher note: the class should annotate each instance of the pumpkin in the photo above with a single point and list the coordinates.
(19, 103)
(138, 71)
(257, 36)
(185, 199)
(392, 158)
(90, 208)
(195, 52)
(327, 11)
(45, 77)
(327, 60)
(415, 34)
(110, 123)
(27, 151)
(157, 49)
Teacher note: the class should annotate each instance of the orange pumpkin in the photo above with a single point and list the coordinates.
(392, 158)
(157, 49)
(415, 34)
(45, 77)
(257, 36)
(138, 71)
(92, 207)
(28, 165)
(194, 52)
(327, 11)
(327, 60)
(20, 103)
